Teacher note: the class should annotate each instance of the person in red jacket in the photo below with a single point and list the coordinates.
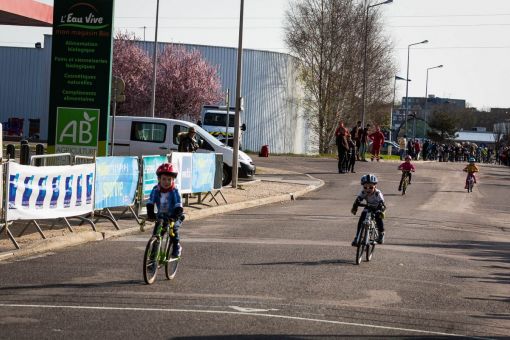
(377, 139)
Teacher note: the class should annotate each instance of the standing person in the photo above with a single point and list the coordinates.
(187, 141)
(356, 137)
(410, 148)
(363, 148)
(342, 146)
(402, 143)
(352, 155)
(417, 149)
(377, 142)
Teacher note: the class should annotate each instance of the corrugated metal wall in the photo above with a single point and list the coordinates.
(270, 90)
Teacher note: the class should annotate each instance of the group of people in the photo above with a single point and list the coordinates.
(352, 145)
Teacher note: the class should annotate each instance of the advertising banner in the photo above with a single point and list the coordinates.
(81, 55)
(49, 192)
(150, 179)
(116, 181)
(184, 163)
(204, 165)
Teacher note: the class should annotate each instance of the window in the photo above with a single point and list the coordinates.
(218, 119)
(148, 132)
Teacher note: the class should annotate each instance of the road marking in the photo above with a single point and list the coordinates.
(276, 316)
(251, 310)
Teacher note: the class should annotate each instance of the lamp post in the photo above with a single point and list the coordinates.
(393, 102)
(407, 77)
(426, 96)
(364, 90)
(154, 63)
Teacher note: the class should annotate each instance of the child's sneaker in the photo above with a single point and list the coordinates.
(380, 239)
(176, 251)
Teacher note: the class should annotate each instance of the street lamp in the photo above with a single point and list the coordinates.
(364, 90)
(154, 63)
(393, 102)
(426, 96)
(407, 77)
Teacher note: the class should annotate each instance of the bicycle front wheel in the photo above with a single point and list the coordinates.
(404, 185)
(150, 261)
(371, 244)
(361, 245)
(171, 262)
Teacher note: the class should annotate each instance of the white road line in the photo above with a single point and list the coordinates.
(238, 313)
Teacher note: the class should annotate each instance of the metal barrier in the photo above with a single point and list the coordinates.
(53, 159)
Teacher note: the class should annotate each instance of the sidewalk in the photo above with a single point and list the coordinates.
(270, 186)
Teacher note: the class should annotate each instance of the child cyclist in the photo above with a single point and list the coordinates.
(471, 168)
(375, 200)
(406, 166)
(167, 200)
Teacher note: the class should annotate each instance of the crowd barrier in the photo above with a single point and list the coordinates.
(91, 186)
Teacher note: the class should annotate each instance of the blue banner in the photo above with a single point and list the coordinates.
(116, 181)
(204, 166)
(150, 179)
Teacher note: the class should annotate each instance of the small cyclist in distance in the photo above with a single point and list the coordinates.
(406, 166)
(471, 168)
(167, 199)
(375, 200)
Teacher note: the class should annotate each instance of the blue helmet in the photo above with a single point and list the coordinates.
(471, 160)
(370, 178)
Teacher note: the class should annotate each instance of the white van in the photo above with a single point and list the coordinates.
(137, 136)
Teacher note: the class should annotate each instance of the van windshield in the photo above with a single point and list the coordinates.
(218, 119)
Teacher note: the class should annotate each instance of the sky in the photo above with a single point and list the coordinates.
(471, 38)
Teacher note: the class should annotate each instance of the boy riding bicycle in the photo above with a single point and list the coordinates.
(167, 199)
(471, 168)
(407, 167)
(375, 200)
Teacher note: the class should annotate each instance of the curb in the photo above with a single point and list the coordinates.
(56, 243)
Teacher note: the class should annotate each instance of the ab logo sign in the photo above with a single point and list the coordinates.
(77, 130)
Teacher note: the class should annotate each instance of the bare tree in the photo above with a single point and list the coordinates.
(327, 37)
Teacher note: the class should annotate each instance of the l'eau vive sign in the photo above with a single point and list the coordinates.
(80, 77)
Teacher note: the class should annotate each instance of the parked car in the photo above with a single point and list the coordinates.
(395, 149)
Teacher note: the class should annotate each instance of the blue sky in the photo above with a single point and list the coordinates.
(469, 37)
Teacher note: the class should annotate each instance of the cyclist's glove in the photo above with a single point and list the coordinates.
(150, 212)
(354, 209)
(381, 207)
(178, 214)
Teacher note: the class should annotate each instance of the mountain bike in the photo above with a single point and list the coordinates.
(405, 181)
(470, 182)
(367, 236)
(158, 252)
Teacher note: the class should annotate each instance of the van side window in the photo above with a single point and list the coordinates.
(148, 132)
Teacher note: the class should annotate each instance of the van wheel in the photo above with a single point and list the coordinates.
(227, 175)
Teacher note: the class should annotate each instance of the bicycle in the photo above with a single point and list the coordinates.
(405, 181)
(367, 236)
(470, 182)
(158, 252)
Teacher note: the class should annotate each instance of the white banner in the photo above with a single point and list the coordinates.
(36, 193)
(184, 163)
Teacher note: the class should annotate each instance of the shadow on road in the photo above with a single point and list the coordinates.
(75, 285)
(301, 263)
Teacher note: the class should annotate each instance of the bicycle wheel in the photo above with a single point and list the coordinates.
(404, 185)
(371, 243)
(171, 262)
(150, 261)
(361, 245)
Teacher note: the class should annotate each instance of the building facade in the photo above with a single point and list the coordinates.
(270, 90)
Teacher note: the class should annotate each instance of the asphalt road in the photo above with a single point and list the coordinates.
(287, 271)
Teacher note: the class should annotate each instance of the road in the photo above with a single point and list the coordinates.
(287, 270)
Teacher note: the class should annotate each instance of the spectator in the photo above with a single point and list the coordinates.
(417, 149)
(363, 148)
(342, 146)
(356, 137)
(377, 142)
(402, 143)
(352, 155)
(187, 141)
